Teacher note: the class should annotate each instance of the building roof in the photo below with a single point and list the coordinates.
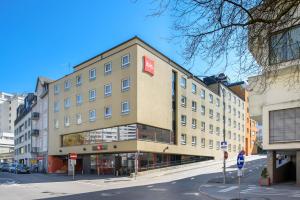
(43, 80)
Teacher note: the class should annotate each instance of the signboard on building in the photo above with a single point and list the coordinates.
(73, 156)
(224, 145)
(148, 65)
(100, 147)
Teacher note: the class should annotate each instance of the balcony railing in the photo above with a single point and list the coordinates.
(35, 132)
(35, 116)
(34, 149)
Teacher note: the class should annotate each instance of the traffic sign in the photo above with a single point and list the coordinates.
(240, 161)
(224, 145)
(73, 156)
(225, 155)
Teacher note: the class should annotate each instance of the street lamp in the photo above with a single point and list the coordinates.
(222, 90)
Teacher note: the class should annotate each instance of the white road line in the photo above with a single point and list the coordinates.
(192, 193)
(158, 189)
(149, 186)
(192, 178)
(229, 189)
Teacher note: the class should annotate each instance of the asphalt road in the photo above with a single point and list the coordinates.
(205, 186)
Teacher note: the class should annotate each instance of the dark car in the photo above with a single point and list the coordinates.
(4, 167)
(22, 169)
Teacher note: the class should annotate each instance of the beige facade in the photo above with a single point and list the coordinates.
(150, 104)
(275, 99)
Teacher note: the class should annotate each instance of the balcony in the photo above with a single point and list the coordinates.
(35, 116)
(35, 132)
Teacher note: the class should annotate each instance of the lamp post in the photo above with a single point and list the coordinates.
(221, 90)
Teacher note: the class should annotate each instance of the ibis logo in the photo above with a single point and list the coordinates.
(148, 65)
(100, 147)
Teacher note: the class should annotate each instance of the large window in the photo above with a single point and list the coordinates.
(285, 46)
(284, 125)
(119, 133)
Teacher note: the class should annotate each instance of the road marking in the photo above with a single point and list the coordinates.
(158, 189)
(149, 186)
(192, 193)
(192, 178)
(174, 182)
(229, 189)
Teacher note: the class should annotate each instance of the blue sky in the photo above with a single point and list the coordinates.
(48, 38)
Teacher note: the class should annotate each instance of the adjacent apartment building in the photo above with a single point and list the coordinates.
(251, 143)
(8, 107)
(24, 148)
(132, 102)
(275, 99)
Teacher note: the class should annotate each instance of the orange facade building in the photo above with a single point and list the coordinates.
(251, 129)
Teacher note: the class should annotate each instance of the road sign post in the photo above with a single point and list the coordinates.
(240, 164)
(73, 157)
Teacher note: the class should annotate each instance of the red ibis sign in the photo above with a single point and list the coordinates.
(148, 65)
(73, 156)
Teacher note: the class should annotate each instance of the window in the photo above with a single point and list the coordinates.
(203, 142)
(183, 120)
(211, 129)
(78, 80)
(229, 108)
(234, 112)
(194, 88)
(202, 94)
(211, 113)
(107, 112)
(183, 139)
(211, 144)
(202, 126)
(107, 68)
(125, 84)
(67, 84)
(239, 102)
(67, 121)
(194, 106)
(239, 126)
(78, 99)
(229, 96)
(125, 107)
(92, 95)
(284, 46)
(218, 131)
(234, 148)
(239, 114)
(218, 117)
(229, 122)
(234, 136)
(78, 118)
(183, 82)
(56, 89)
(56, 123)
(202, 110)
(92, 115)
(67, 102)
(218, 102)
(107, 90)
(218, 145)
(284, 125)
(194, 140)
(92, 74)
(234, 124)
(229, 134)
(211, 98)
(194, 123)
(234, 99)
(183, 101)
(125, 61)
(239, 137)
(229, 147)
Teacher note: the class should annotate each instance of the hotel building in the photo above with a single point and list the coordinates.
(132, 101)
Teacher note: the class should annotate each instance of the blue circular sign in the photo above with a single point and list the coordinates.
(240, 161)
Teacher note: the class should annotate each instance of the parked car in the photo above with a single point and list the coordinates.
(4, 167)
(22, 169)
(12, 167)
(19, 168)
